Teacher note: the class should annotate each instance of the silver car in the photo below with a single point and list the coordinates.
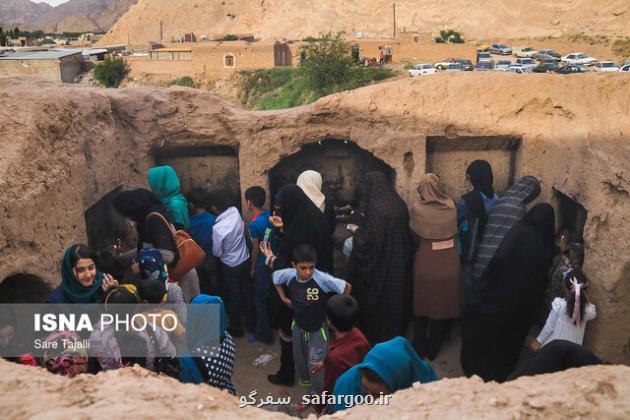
(453, 67)
(500, 49)
(527, 64)
(503, 65)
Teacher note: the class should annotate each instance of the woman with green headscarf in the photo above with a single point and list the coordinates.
(165, 185)
(387, 368)
(81, 282)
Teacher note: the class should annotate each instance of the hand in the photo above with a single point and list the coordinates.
(277, 222)
(108, 282)
(317, 367)
(535, 345)
(287, 302)
(352, 228)
(265, 248)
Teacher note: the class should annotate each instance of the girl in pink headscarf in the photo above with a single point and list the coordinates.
(569, 315)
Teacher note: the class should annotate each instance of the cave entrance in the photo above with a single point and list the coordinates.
(343, 165)
(209, 167)
(448, 157)
(571, 216)
(23, 288)
(105, 226)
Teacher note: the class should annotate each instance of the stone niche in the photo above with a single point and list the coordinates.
(448, 157)
(342, 164)
(570, 215)
(208, 167)
(23, 288)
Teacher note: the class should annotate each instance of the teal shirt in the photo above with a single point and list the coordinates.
(165, 185)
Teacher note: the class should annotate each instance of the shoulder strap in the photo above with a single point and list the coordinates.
(170, 227)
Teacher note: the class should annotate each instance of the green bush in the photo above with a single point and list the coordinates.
(327, 62)
(111, 72)
(185, 81)
(230, 37)
(449, 36)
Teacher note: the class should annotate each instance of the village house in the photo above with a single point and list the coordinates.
(57, 65)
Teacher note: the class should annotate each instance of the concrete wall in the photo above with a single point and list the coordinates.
(407, 50)
(70, 67)
(46, 69)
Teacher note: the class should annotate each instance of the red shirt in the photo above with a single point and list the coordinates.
(343, 354)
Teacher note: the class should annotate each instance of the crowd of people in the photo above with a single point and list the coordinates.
(484, 260)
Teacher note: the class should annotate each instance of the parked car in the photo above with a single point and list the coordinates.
(500, 49)
(453, 67)
(421, 70)
(546, 66)
(484, 66)
(546, 55)
(578, 58)
(524, 52)
(571, 69)
(484, 56)
(482, 46)
(528, 64)
(442, 65)
(467, 65)
(503, 65)
(515, 68)
(606, 66)
(625, 68)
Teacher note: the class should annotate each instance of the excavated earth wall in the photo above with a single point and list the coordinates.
(63, 147)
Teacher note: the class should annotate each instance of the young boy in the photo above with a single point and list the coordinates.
(228, 244)
(348, 346)
(201, 223)
(308, 288)
(258, 226)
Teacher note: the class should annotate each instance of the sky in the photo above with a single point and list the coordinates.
(51, 2)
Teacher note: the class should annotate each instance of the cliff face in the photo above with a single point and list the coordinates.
(65, 147)
(298, 19)
(73, 16)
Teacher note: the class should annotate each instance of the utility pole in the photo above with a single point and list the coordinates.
(394, 7)
(161, 30)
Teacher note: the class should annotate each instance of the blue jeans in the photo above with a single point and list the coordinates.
(263, 286)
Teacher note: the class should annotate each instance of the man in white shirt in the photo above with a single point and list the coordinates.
(228, 244)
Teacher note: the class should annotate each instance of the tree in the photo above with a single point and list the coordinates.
(3, 38)
(327, 62)
(450, 36)
(230, 37)
(111, 72)
(16, 32)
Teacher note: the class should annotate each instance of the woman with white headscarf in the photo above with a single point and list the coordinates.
(311, 183)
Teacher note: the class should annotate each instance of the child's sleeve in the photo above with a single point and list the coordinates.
(281, 277)
(329, 283)
(550, 324)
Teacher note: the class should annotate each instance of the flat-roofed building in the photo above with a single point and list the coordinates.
(60, 65)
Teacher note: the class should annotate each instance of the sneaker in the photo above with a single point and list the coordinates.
(277, 379)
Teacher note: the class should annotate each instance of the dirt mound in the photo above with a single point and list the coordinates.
(297, 19)
(593, 392)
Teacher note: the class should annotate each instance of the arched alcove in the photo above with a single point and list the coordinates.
(343, 165)
(23, 288)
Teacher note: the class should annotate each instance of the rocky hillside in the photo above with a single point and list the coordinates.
(295, 19)
(73, 16)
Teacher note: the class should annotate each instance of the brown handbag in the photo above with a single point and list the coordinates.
(191, 255)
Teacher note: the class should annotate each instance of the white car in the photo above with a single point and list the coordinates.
(515, 68)
(524, 52)
(503, 65)
(606, 66)
(421, 70)
(442, 65)
(578, 58)
(625, 68)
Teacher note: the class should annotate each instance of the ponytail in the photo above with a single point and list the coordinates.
(575, 283)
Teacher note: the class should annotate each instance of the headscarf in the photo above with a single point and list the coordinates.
(480, 174)
(311, 183)
(137, 205)
(75, 291)
(165, 185)
(63, 359)
(508, 211)
(303, 224)
(394, 361)
(435, 216)
(199, 331)
(152, 264)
